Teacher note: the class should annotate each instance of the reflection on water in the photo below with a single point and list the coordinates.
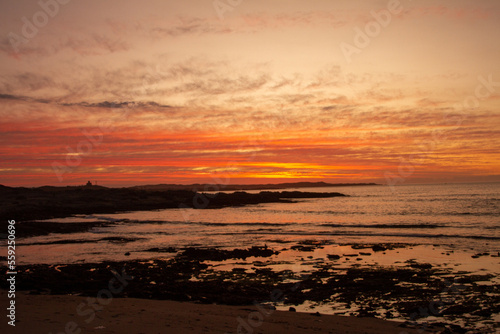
(452, 228)
(461, 216)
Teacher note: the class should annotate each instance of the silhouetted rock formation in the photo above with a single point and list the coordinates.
(24, 204)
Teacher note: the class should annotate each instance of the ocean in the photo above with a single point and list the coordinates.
(465, 217)
(425, 244)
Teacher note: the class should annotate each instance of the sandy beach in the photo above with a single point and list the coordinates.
(60, 314)
(187, 270)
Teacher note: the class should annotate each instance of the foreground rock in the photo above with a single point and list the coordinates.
(413, 292)
(214, 254)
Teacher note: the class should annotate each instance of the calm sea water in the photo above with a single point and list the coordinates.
(441, 225)
(462, 216)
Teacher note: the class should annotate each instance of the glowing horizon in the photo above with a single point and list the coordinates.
(124, 93)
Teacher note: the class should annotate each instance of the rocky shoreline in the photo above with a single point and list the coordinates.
(28, 204)
(415, 292)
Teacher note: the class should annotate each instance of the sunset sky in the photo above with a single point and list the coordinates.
(251, 91)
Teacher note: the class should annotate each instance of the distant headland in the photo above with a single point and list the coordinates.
(235, 187)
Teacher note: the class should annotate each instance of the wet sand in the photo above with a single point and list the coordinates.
(52, 314)
(344, 280)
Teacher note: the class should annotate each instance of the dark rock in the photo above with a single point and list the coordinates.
(414, 264)
(378, 248)
(475, 256)
(162, 250)
(292, 309)
(53, 202)
(213, 254)
(119, 239)
(457, 329)
(303, 248)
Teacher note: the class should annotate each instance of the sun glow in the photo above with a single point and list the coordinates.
(165, 93)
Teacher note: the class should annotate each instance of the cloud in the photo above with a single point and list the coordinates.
(93, 44)
(192, 143)
(248, 23)
(103, 104)
(22, 98)
(90, 44)
(189, 26)
(452, 12)
(118, 104)
(29, 81)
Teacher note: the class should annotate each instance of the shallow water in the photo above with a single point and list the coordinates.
(462, 216)
(444, 226)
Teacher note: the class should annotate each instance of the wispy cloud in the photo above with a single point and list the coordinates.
(267, 88)
(92, 44)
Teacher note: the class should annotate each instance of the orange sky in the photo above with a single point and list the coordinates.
(127, 92)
